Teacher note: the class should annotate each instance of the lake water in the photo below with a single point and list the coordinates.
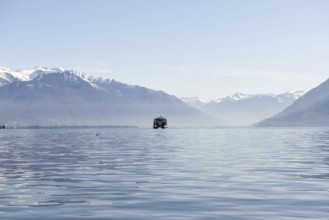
(236, 173)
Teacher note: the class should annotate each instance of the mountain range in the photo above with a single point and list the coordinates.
(59, 97)
(312, 109)
(244, 109)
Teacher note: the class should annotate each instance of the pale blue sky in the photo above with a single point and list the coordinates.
(206, 48)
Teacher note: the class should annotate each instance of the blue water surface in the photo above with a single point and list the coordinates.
(134, 173)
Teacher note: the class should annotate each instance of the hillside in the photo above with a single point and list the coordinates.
(44, 96)
(312, 109)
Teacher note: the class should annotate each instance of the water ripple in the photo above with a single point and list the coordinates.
(164, 174)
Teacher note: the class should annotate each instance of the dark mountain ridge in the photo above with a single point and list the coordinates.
(312, 109)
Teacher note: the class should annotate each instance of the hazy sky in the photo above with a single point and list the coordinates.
(206, 48)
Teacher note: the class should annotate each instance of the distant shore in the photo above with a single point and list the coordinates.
(69, 126)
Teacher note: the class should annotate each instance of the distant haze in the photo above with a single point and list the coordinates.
(245, 109)
(311, 110)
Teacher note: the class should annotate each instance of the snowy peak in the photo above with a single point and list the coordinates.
(242, 109)
(5, 76)
(290, 95)
(237, 97)
(4, 70)
(94, 81)
(203, 101)
(26, 74)
(196, 101)
(60, 78)
(38, 73)
(30, 74)
(283, 97)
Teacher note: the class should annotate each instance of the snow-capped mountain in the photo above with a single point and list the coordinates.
(55, 96)
(235, 97)
(242, 109)
(196, 101)
(26, 74)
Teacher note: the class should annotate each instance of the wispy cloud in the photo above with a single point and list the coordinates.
(286, 76)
